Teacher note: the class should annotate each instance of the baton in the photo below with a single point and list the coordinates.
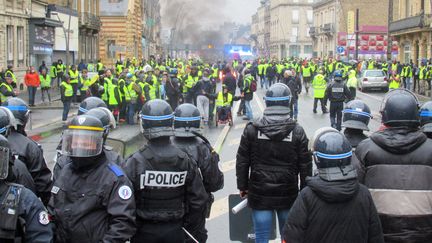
(237, 208)
(189, 234)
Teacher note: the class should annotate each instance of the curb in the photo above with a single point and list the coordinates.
(221, 139)
(58, 127)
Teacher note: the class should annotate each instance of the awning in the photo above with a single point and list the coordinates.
(46, 22)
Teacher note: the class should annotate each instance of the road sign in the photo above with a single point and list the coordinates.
(340, 49)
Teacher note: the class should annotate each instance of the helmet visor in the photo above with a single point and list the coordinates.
(82, 143)
(4, 162)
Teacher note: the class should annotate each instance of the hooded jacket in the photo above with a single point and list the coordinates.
(395, 164)
(333, 211)
(275, 151)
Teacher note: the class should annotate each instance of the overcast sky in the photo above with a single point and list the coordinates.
(241, 10)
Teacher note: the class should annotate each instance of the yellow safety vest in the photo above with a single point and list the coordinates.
(306, 72)
(112, 99)
(45, 81)
(68, 89)
(2, 96)
(221, 101)
(319, 85)
(73, 76)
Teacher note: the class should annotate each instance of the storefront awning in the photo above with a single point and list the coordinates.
(46, 22)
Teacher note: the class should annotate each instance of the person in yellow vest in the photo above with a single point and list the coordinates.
(223, 103)
(134, 91)
(45, 81)
(9, 71)
(53, 72)
(261, 72)
(408, 74)
(114, 98)
(319, 85)
(66, 93)
(99, 66)
(394, 82)
(124, 96)
(371, 64)
(84, 84)
(74, 81)
(422, 77)
(60, 68)
(150, 90)
(352, 84)
(6, 89)
(107, 85)
(307, 76)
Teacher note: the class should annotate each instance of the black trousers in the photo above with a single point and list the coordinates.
(336, 114)
(322, 102)
(159, 232)
(353, 92)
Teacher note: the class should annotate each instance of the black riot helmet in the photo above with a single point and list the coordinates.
(156, 119)
(187, 120)
(90, 103)
(106, 117)
(278, 94)
(356, 115)
(83, 137)
(426, 116)
(400, 108)
(7, 120)
(19, 109)
(332, 154)
(5, 155)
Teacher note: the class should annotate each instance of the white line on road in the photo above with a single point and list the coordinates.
(228, 165)
(224, 133)
(219, 208)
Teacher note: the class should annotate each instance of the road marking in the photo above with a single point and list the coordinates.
(224, 133)
(219, 208)
(234, 141)
(240, 126)
(228, 165)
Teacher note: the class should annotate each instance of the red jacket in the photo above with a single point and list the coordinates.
(32, 79)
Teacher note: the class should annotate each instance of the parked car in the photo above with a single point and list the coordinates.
(373, 80)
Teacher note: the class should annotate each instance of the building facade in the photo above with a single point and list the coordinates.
(334, 26)
(260, 30)
(290, 21)
(89, 26)
(151, 28)
(411, 25)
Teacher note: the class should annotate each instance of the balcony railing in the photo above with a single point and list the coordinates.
(327, 29)
(408, 23)
(312, 31)
(90, 21)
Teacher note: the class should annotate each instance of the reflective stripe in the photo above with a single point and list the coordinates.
(157, 118)
(86, 128)
(402, 202)
(2, 130)
(83, 110)
(196, 118)
(361, 113)
(426, 114)
(17, 108)
(277, 98)
(334, 156)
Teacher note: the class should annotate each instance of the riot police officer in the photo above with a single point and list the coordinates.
(334, 197)
(166, 181)
(337, 92)
(27, 150)
(92, 198)
(272, 155)
(426, 118)
(188, 138)
(23, 216)
(90, 103)
(395, 165)
(108, 122)
(356, 117)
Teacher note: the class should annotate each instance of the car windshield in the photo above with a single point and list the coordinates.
(376, 73)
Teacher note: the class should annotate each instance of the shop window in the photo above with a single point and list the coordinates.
(307, 49)
(10, 43)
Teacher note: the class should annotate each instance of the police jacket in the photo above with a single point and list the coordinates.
(396, 166)
(94, 204)
(354, 136)
(205, 158)
(333, 211)
(30, 215)
(275, 151)
(337, 91)
(31, 154)
(22, 176)
(166, 183)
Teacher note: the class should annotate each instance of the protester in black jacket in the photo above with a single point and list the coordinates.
(295, 85)
(230, 80)
(271, 73)
(333, 207)
(273, 152)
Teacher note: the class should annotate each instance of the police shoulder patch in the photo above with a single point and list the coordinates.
(43, 218)
(125, 192)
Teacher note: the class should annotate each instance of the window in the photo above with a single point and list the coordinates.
(309, 16)
(295, 17)
(407, 53)
(111, 49)
(294, 31)
(20, 37)
(307, 49)
(307, 32)
(310, 1)
(10, 41)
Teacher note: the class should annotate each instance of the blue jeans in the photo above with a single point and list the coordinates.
(408, 83)
(66, 108)
(32, 93)
(294, 109)
(248, 108)
(262, 220)
(130, 113)
(263, 81)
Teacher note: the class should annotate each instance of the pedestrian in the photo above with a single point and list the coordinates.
(319, 85)
(272, 155)
(23, 216)
(295, 85)
(352, 84)
(45, 83)
(27, 150)
(229, 80)
(60, 70)
(306, 72)
(337, 92)
(270, 74)
(74, 81)
(32, 81)
(105, 210)
(6, 89)
(426, 118)
(187, 137)
(162, 205)
(205, 93)
(261, 73)
(42, 66)
(334, 206)
(247, 94)
(223, 104)
(134, 91)
(356, 117)
(81, 66)
(394, 163)
(66, 93)
(9, 72)
(84, 84)
(394, 82)
(172, 88)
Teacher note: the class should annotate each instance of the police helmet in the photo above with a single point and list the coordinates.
(426, 116)
(173, 71)
(5, 154)
(332, 155)
(7, 120)
(400, 108)
(106, 117)
(156, 119)
(90, 103)
(19, 109)
(84, 137)
(187, 120)
(278, 94)
(338, 74)
(356, 115)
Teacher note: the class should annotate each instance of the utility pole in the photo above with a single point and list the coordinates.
(389, 40)
(68, 35)
(357, 34)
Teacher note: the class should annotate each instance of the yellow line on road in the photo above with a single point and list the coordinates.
(228, 165)
(219, 208)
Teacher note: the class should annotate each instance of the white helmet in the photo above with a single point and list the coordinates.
(147, 68)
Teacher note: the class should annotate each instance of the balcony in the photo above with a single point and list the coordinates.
(90, 21)
(328, 29)
(312, 32)
(407, 23)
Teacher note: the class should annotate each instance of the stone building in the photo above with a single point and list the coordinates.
(89, 27)
(260, 31)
